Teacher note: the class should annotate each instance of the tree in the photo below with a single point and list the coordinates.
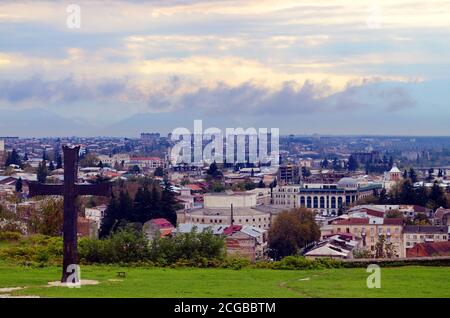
(430, 174)
(51, 166)
(405, 174)
(168, 203)
(48, 219)
(393, 214)
(59, 163)
(379, 247)
(407, 193)
(335, 164)
(110, 219)
(421, 219)
(437, 197)
(19, 185)
(325, 163)
(25, 157)
(88, 160)
(159, 172)
(413, 175)
(100, 164)
(352, 164)
(261, 184)
(42, 172)
(291, 231)
(13, 158)
(383, 198)
(45, 156)
(135, 169)
(305, 172)
(213, 170)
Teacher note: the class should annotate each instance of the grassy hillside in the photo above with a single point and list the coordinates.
(192, 282)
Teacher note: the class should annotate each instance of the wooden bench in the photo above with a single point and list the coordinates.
(121, 274)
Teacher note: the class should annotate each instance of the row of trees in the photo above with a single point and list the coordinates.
(406, 193)
(150, 201)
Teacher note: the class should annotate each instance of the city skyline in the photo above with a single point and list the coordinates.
(326, 67)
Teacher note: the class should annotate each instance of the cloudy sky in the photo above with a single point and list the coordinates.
(322, 66)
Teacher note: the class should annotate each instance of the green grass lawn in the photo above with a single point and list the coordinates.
(161, 282)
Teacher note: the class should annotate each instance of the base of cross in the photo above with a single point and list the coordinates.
(70, 190)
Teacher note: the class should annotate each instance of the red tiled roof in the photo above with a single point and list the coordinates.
(161, 223)
(429, 249)
(194, 187)
(231, 229)
(393, 221)
(375, 213)
(352, 221)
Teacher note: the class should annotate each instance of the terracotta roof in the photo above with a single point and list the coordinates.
(429, 249)
(374, 213)
(161, 223)
(352, 221)
(393, 221)
(194, 187)
(231, 229)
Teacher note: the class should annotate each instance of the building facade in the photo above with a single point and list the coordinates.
(324, 199)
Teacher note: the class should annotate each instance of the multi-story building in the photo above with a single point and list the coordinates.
(368, 231)
(441, 217)
(415, 234)
(146, 162)
(238, 208)
(114, 159)
(325, 199)
(288, 174)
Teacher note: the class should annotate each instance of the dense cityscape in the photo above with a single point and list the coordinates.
(368, 197)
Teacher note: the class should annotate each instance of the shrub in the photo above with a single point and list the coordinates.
(10, 236)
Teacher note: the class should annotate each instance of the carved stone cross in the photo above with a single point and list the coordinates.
(70, 190)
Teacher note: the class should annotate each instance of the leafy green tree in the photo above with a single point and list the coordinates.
(291, 231)
(261, 184)
(51, 166)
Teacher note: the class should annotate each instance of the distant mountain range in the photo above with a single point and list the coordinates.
(388, 108)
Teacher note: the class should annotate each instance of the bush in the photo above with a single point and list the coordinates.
(124, 246)
(236, 262)
(10, 236)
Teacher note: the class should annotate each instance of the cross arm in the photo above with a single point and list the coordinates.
(36, 189)
(102, 189)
